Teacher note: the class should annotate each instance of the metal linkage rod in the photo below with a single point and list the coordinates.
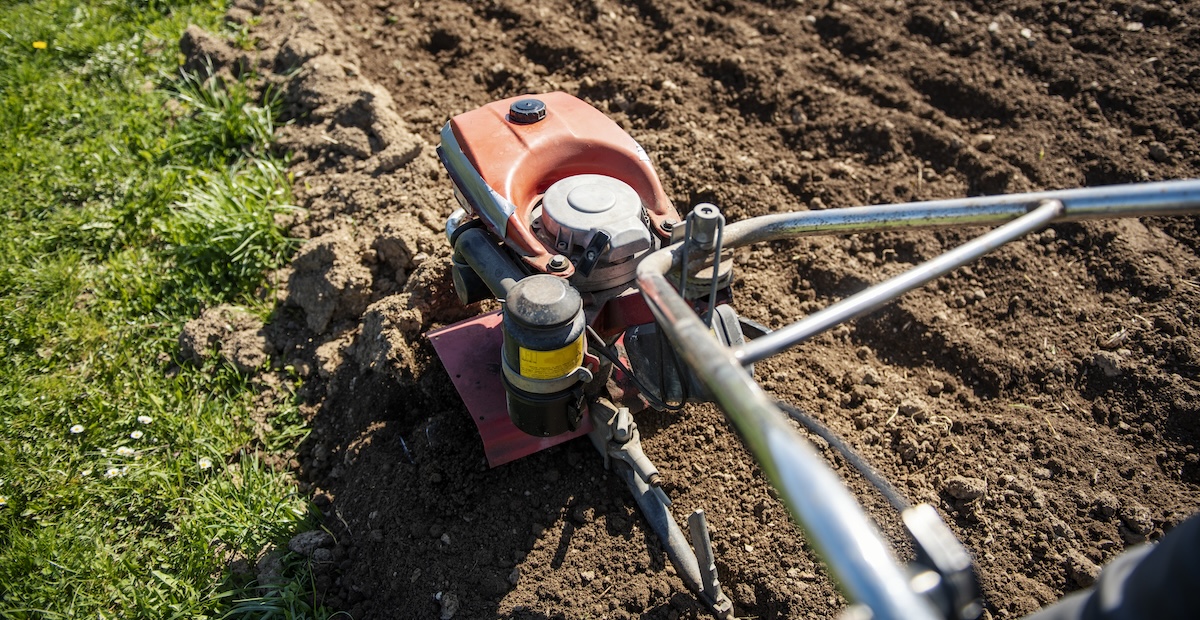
(848, 541)
(1133, 200)
(880, 294)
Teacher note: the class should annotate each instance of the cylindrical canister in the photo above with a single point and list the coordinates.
(544, 343)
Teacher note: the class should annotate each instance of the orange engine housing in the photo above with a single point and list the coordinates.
(520, 161)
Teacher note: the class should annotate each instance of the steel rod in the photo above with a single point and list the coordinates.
(845, 538)
(698, 528)
(884, 292)
(848, 541)
(1133, 200)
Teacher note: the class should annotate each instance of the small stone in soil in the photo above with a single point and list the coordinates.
(914, 409)
(1159, 153)
(965, 488)
(449, 606)
(1137, 518)
(305, 543)
(1108, 362)
(1080, 569)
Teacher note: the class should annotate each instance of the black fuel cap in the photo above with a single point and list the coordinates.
(527, 111)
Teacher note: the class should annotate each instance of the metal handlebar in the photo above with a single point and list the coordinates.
(857, 554)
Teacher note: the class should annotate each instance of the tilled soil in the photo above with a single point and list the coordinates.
(1045, 399)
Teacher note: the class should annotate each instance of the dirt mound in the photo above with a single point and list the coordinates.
(234, 334)
(1044, 399)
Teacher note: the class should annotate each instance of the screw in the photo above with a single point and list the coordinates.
(669, 225)
(558, 262)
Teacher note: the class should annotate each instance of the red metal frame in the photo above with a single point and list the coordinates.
(470, 351)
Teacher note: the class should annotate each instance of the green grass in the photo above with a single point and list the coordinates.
(132, 197)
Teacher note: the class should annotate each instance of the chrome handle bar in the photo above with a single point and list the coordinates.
(857, 554)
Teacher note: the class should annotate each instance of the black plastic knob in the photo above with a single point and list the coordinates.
(527, 111)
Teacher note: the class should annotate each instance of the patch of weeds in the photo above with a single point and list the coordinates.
(224, 226)
(222, 120)
(287, 597)
(243, 36)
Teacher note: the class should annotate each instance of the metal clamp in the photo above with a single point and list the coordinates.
(616, 436)
(949, 577)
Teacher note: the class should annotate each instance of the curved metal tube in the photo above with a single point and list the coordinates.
(494, 208)
(835, 522)
(856, 552)
(884, 292)
(488, 260)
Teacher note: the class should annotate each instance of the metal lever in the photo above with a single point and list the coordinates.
(698, 527)
(615, 435)
(626, 446)
(591, 253)
(949, 579)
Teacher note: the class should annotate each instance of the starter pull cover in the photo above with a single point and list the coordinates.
(581, 210)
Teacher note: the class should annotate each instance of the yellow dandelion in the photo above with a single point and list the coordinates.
(39, 45)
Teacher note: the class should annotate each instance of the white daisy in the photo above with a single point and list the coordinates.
(113, 472)
(135, 435)
(125, 451)
(204, 462)
(76, 429)
(145, 419)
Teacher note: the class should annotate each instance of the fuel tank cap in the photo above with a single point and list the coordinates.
(527, 111)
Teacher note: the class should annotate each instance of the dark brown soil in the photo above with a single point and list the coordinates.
(1060, 372)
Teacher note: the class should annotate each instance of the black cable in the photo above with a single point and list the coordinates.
(872, 475)
(611, 356)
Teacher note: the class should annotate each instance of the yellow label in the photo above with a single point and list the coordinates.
(551, 364)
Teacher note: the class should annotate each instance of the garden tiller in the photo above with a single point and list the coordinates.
(612, 302)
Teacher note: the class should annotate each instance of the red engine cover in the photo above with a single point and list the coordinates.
(521, 161)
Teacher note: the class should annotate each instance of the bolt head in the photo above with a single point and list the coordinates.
(558, 262)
